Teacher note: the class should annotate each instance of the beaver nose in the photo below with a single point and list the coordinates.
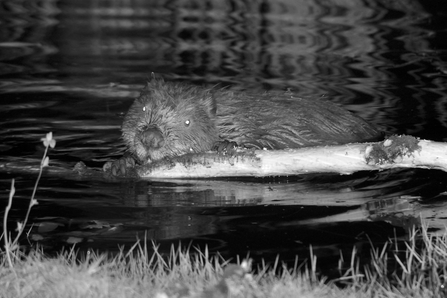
(152, 138)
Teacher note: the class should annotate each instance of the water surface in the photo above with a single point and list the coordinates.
(74, 68)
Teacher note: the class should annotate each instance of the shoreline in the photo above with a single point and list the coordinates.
(194, 273)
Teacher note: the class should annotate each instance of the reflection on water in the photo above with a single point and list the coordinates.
(73, 67)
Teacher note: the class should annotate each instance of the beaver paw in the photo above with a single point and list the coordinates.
(120, 167)
(225, 147)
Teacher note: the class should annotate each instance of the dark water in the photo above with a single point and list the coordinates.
(74, 67)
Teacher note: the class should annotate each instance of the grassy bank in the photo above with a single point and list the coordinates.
(419, 272)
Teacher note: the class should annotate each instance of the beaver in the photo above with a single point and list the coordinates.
(170, 119)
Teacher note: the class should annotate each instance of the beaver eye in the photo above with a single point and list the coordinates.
(187, 123)
(144, 109)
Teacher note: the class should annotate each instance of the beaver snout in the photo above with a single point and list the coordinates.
(151, 138)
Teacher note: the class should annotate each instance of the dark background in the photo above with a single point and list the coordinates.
(74, 67)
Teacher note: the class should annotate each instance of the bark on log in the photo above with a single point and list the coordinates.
(394, 152)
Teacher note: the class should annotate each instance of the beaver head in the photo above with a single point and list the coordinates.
(170, 119)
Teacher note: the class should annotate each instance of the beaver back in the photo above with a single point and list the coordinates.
(276, 120)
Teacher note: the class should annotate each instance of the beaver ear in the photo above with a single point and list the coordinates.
(154, 81)
(151, 85)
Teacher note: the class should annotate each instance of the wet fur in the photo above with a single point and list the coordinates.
(277, 120)
(192, 119)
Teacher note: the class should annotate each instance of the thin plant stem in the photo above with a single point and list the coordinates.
(5, 228)
(12, 245)
(31, 202)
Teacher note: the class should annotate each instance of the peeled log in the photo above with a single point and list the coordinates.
(394, 152)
